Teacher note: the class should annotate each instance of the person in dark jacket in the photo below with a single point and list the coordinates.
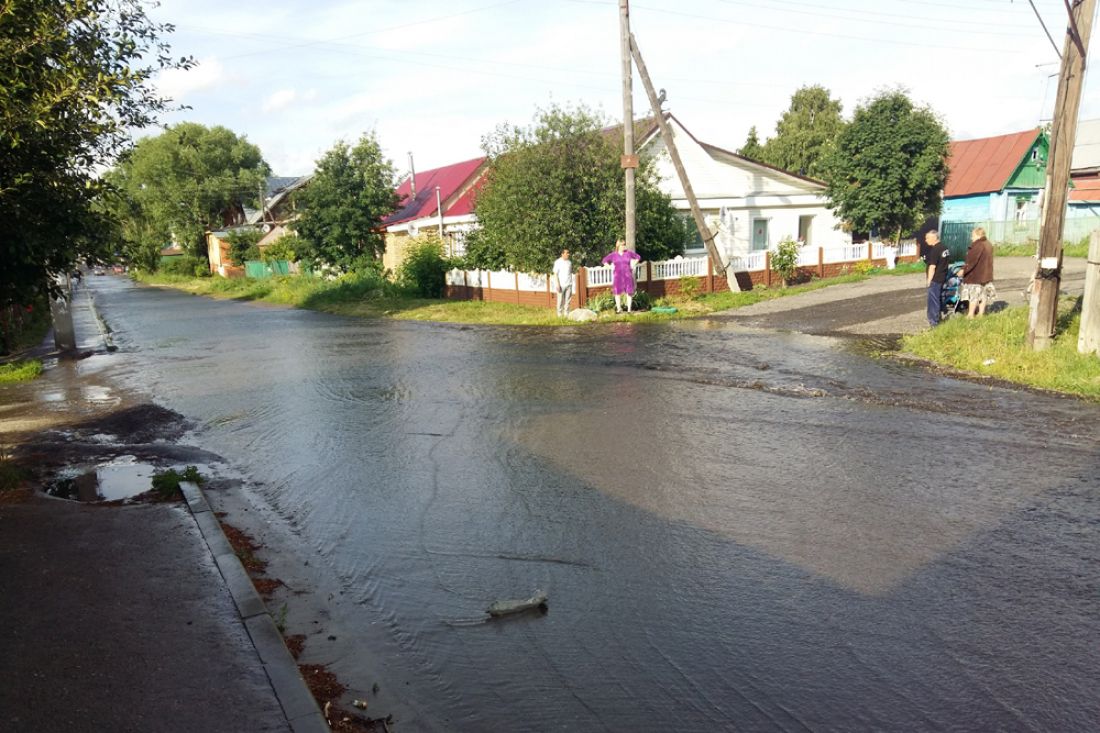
(977, 274)
(936, 259)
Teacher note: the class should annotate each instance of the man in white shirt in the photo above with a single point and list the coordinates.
(562, 282)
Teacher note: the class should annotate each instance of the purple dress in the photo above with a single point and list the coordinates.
(622, 279)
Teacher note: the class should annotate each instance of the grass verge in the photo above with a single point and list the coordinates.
(369, 296)
(995, 346)
(20, 371)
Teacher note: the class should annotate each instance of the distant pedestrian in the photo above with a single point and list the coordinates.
(936, 258)
(562, 282)
(76, 278)
(622, 278)
(977, 274)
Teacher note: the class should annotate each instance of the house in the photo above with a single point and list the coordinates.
(751, 205)
(439, 200)
(996, 181)
(217, 252)
(278, 208)
(1084, 197)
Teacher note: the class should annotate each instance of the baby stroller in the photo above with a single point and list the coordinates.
(951, 300)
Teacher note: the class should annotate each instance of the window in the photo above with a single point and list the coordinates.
(805, 229)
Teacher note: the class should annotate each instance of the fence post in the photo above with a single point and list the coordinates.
(648, 276)
(582, 286)
(516, 284)
(821, 262)
(549, 298)
(768, 268)
(710, 275)
(487, 293)
(466, 285)
(870, 250)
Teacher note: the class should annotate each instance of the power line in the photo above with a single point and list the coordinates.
(1049, 37)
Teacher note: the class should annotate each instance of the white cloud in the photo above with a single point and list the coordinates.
(179, 83)
(280, 100)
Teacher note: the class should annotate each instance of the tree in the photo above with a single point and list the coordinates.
(184, 182)
(558, 185)
(806, 133)
(342, 209)
(75, 79)
(752, 149)
(889, 166)
(242, 245)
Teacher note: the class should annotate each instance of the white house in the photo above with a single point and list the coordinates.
(753, 206)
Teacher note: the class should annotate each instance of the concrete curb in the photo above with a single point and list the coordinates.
(104, 329)
(298, 705)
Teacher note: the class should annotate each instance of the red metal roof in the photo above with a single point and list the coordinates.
(1085, 189)
(450, 179)
(986, 164)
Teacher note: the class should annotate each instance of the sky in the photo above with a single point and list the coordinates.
(433, 78)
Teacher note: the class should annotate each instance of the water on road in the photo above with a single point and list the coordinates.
(736, 529)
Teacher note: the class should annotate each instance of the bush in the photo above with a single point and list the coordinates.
(863, 267)
(785, 259)
(167, 484)
(690, 287)
(185, 266)
(424, 269)
(281, 249)
(606, 302)
(242, 245)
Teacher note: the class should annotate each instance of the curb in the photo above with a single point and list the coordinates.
(104, 329)
(294, 697)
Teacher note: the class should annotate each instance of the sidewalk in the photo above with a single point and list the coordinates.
(120, 618)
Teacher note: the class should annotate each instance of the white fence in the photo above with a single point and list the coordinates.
(674, 269)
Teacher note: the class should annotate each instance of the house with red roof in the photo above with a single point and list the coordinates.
(996, 179)
(439, 200)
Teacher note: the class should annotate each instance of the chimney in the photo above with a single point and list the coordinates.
(412, 178)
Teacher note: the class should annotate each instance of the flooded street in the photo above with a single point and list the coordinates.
(737, 529)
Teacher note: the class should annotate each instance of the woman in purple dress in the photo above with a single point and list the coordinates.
(622, 278)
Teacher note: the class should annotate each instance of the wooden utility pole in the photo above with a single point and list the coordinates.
(1048, 273)
(678, 164)
(1088, 340)
(629, 160)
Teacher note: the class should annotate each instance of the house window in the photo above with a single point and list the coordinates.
(1021, 210)
(805, 229)
(760, 234)
(1035, 154)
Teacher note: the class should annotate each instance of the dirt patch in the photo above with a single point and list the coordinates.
(295, 643)
(327, 691)
(266, 587)
(138, 424)
(245, 548)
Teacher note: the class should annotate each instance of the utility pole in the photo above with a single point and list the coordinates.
(1088, 340)
(1048, 273)
(678, 164)
(629, 159)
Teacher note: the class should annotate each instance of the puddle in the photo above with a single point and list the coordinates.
(123, 478)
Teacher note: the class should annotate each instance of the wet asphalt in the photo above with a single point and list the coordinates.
(737, 529)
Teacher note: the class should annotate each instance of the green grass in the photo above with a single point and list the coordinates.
(969, 345)
(20, 371)
(1069, 249)
(369, 296)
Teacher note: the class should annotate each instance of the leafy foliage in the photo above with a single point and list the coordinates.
(281, 249)
(166, 484)
(424, 268)
(784, 260)
(806, 133)
(889, 166)
(343, 206)
(185, 266)
(242, 245)
(558, 185)
(606, 302)
(184, 182)
(75, 79)
(752, 149)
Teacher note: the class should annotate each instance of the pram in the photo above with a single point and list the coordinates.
(951, 300)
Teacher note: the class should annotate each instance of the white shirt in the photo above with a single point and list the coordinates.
(563, 273)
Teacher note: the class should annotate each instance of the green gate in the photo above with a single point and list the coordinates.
(955, 235)
(258, 270)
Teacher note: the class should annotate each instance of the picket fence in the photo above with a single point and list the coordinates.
(665, 277)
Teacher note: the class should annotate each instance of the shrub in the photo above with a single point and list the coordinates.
(281, 249)
(606, 302)
(690, 287)
(863, 267)
(167, 484)
(185, 266)
(785, 259)
(242, 245)
(424, 269)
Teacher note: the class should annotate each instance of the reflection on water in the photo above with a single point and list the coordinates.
(735, 529)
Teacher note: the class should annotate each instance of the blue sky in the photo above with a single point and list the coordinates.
(434, 77)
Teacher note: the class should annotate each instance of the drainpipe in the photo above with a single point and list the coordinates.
(439, 208)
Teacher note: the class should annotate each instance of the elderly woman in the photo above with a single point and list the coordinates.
(622, 278)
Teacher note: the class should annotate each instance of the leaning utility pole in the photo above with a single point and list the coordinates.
(1088, 340)
(629, 160)
(678, 164)
(1048, 273)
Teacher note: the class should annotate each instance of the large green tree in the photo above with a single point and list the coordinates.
(889, 166)
(75, 79)
(343, 206)
(805, 134)
(186, 181)
(558, 185)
